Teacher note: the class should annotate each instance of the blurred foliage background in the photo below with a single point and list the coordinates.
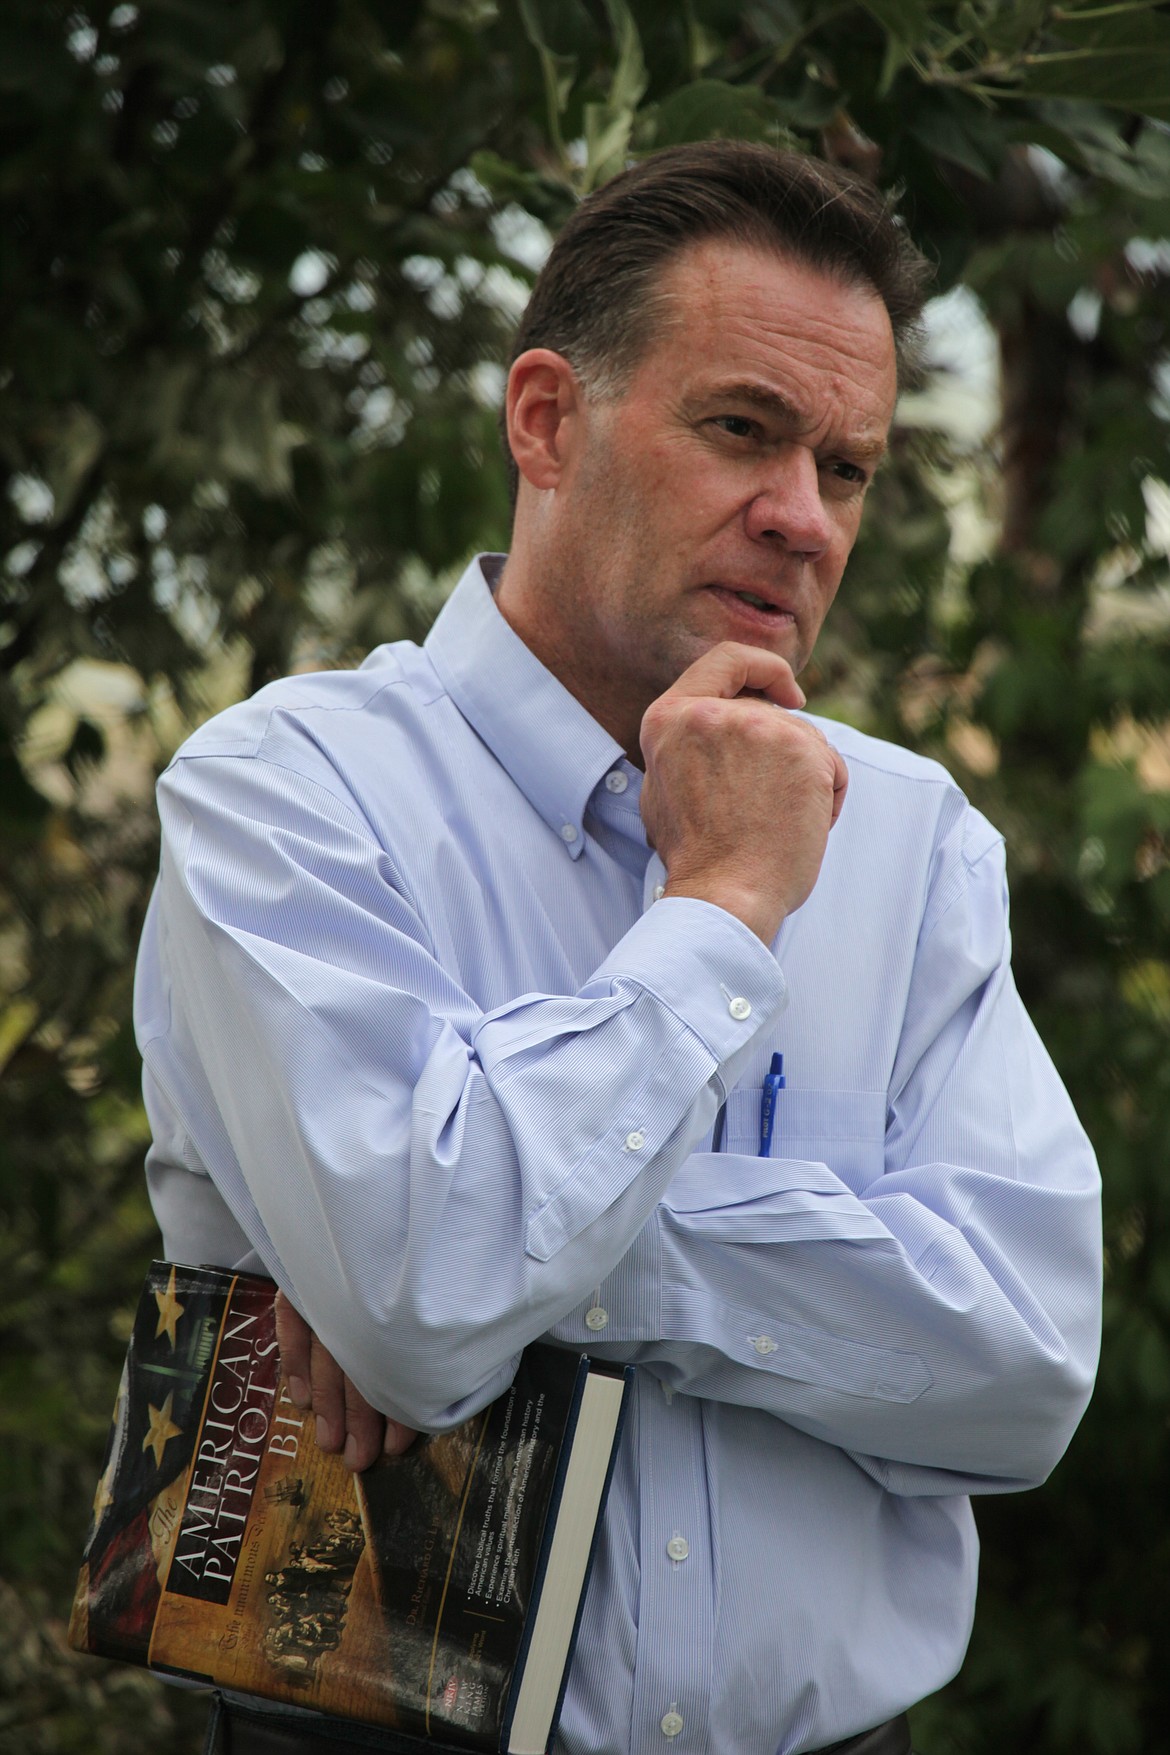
(258, 264)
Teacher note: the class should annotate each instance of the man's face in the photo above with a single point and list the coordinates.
(718, 497)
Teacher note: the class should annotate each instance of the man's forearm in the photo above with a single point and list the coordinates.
(386, 1147)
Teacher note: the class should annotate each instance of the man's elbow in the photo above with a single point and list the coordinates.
(429, 1380)
(1028, 1425)
(1061, 1394)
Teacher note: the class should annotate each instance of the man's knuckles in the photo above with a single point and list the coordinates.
(736, 716)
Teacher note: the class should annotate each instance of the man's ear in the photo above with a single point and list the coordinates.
(544, 407)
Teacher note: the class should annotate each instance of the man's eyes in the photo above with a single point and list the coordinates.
(740, 426)
(850, 472)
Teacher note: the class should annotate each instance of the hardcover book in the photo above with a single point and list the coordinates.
(437, 1593)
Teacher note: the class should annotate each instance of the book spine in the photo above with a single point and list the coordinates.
(626, 1373)
(540, 1569)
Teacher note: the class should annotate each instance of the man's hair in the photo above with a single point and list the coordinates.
(597, 300)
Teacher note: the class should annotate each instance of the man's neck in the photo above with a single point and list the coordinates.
(520, 607)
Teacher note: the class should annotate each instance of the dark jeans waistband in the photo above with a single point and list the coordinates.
(243, 1730)
(892, 1738)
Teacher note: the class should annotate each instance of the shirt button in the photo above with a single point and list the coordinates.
(678, 1547)
(764, 1344)
(568, 833)
(596, 1318)
(740, 1008)
(616, 782)
(659, 892)
(635, 1141)
(671, 1723)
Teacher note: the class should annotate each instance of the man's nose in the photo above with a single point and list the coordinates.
(788, 507)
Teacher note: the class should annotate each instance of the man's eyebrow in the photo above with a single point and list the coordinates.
(787, 413)
(761, 397)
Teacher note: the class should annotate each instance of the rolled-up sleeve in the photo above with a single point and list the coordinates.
(433, 1185)
(937, 1315)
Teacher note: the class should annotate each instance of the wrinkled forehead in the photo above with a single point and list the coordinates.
(784, 332)
(701, 287)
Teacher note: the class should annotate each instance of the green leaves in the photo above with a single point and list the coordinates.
(1112, 54)
(22, 808)
(259, 272)
(962, 132)
(606, 122)
(905, 22)
(905, 19)
(1119, 815)
(610, 122)
(558, 72)
(712, 109)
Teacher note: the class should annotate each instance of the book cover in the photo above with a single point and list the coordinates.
(225, 1546)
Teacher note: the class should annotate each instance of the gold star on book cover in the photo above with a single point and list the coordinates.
(156, 1422)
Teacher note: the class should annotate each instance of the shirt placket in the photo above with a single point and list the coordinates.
(676, 1620)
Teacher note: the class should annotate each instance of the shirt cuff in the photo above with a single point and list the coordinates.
(720, 981)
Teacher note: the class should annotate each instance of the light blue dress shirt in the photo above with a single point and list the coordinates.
(420, 1039)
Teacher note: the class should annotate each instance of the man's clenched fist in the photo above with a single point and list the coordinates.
(739, 796)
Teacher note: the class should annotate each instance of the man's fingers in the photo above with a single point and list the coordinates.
(315, 1379)
(365, 1429)
(346, 1421)
(840, 783)
(294, 1338)
(328, 1398)
(731, 669)
(398, 1438)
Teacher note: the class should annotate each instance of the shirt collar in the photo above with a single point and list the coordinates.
(553, 749)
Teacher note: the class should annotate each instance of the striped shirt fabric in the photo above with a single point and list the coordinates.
(423, 1043)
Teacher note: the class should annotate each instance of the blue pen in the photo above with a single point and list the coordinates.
(773, 1085)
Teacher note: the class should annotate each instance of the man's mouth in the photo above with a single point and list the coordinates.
(753, 601)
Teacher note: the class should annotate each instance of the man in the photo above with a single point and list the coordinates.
(465, 971)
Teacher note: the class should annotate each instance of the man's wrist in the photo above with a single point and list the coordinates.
(761, 915)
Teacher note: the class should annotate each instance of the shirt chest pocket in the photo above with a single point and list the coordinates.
(844, 1129)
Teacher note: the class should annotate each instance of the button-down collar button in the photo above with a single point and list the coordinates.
(678, 1547)
(659, 892)
(740, 1008)
(596, 1318)
(671, 1723)
(764, 1344)
(616, 782)
(568, 833)
(635, 1141)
